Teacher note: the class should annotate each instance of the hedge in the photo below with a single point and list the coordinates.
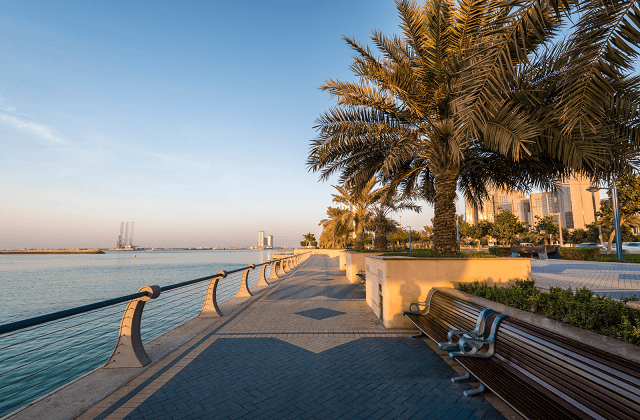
(580, 253)
(427, 253)
(584, 309)
(500, 251)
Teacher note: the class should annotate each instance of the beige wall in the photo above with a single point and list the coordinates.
(355, 263)
(403, 280)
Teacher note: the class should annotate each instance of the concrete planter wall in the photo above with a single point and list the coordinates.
(355, 263)
(393, 283)
(599, 341)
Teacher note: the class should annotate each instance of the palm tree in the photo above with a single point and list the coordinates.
(380, 221)
(359, 202)
(336, 228)
(465, 100)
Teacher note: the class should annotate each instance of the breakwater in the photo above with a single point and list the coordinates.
(52, 251)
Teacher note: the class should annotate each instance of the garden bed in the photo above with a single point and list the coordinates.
(582, 309)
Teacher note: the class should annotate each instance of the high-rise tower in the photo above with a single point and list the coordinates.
(261, 238)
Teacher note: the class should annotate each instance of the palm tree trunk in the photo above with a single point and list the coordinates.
(359, 241)
(444, 219)
(380, 242)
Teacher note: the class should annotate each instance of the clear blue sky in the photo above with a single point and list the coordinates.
(192, 119)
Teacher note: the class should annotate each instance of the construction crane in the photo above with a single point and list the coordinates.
(120, 243)
(126, 234)
(131, 235)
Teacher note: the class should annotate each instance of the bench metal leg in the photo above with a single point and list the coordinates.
(477, 391)
(421, 334)
(468, 377)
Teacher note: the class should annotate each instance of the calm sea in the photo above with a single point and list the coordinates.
(39, 360)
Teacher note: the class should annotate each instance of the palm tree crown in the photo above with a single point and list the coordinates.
(461, 102)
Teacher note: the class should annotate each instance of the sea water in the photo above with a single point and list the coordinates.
(39, 360)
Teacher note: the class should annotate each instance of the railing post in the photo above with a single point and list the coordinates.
(287, 267)
(244, 283)
(274, 271)
(129, 351)
(210, 308)
(263, 275)
(282, 272)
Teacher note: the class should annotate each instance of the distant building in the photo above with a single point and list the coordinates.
(261, 239)
(573, 203)
(515, 202)
(269, 241)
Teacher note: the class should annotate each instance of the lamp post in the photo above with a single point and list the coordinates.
(410, 247)
(592, 189)
(616, 216)
(458, 231)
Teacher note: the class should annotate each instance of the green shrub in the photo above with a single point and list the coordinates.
(581, 253)
(582, 309)
(628, 258)
(427, 253)
(500, 251)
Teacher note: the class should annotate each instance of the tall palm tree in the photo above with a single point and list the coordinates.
(464, 100)
(359, 202)
(336, 228)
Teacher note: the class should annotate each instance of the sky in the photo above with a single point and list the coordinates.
(191, 119)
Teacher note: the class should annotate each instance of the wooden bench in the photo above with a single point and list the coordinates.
(544, 375)
(539, 373)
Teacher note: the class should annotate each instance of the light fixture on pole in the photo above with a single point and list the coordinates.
(410, 247)
(593, 189)
(616, 215)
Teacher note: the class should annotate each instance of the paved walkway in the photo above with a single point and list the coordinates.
(612, 279)
(307, 348)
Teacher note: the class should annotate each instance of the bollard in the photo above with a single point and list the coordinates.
(282, 272)
(210, 308)
(244, 283)
(263, 277)
(274, 271)
(129, 351)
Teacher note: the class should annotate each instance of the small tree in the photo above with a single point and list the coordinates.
(628, 205)
(546, 225)
(507, 227)
(309, 238)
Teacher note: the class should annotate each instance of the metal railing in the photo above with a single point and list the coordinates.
(41, 354)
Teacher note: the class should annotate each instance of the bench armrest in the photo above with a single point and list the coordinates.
(417, 310)
(470, 346)
(451, 345)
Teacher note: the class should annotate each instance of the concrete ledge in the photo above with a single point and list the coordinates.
(599, 341)
(393, 283)
(74, 398)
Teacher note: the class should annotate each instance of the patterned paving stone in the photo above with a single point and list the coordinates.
(307, 348)
(617, 280)
(320, 313)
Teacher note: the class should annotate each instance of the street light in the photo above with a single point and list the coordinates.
(592, 189)
(409, 227)
(616, 215)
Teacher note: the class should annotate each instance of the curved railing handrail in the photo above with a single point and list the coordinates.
(38, 320)
(32, 322)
